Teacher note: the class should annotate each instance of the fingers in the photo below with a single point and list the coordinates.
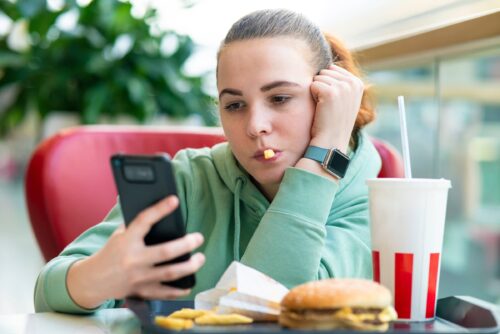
(150, 216)
(340, 74)
(335, 73)
(317, 87)
(172, 249)
(331, 83)
(174, 271)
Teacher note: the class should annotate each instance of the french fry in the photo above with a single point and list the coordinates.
(188, 313)
(223, 319)
(173, 323)
(268, 154)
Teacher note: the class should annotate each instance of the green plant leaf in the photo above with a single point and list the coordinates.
(11, 59)
(76, 71)
(14, 114)
(30, 8)
(40, 24)
(10, 9)
(95, 99)
(137, 90)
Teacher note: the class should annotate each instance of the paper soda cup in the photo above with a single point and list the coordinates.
(407, 226)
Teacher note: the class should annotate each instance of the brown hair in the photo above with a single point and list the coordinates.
(325, 48)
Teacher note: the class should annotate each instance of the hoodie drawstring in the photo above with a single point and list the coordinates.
(237, 223)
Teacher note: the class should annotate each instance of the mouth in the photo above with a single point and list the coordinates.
(266, 156)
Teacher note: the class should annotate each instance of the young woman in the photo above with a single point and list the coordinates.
(282, 86)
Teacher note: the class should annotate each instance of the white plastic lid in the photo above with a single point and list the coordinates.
(405, 182)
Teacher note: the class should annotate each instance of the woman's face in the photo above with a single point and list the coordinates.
(265, 103)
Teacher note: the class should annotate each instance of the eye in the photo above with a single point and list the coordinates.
(234, 106)
(280, 99)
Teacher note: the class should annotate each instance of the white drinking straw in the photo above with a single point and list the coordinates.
(404, 137)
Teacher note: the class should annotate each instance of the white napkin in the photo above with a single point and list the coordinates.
(246, 291)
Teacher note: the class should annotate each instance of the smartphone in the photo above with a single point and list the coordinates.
(141, 181)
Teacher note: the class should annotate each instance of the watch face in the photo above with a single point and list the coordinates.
(338, 163)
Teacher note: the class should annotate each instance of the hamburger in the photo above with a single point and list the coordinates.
(338, 304)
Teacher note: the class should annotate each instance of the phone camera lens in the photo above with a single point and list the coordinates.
(139, 173)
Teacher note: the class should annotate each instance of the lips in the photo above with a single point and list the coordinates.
(259, 155)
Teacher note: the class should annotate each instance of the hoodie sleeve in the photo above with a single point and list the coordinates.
(51, 293)
(315, 227)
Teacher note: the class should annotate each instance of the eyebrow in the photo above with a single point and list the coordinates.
(264, 88)
(275, 84)
(230, 91)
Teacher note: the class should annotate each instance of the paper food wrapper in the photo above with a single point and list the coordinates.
(246, 291)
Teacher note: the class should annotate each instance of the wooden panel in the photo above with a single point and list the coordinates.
(484, 27)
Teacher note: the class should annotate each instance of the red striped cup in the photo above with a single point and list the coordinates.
(407, 225)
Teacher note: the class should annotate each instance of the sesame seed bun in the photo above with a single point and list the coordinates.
(336, 293)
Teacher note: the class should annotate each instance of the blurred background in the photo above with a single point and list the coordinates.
(64, 63)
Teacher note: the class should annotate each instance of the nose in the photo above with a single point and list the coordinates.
(259, 122)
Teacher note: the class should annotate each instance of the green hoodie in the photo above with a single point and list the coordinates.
(314, 228)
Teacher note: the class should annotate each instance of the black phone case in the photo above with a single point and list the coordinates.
(137, 195)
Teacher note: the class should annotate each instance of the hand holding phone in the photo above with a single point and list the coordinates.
(143, 181)
(124, 266)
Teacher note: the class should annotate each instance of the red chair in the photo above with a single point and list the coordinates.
(69, 185)
(392, 163)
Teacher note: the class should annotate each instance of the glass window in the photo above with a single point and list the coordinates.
(417, 85)
(453, 116)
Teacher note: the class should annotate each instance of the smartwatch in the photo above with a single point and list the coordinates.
(332, 160)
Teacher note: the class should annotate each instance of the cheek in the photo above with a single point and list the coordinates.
(234, 132)
(303, 120)
(226, 124)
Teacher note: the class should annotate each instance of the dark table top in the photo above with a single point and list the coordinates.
(453, 315)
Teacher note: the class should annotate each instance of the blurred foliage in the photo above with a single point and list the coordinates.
(108, 63)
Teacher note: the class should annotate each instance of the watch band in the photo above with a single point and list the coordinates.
(332, 160)
(316, 153)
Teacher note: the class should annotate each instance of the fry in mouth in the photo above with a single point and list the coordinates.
(268, 154)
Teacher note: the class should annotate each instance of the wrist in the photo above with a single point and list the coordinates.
(331, 160)
(84, 288)
(314, 167)
(339, 143)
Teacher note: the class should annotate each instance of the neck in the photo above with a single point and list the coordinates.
(269, 190)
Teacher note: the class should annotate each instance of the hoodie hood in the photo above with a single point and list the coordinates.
(236, 178)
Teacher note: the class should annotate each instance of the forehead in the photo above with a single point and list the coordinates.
(261, 60)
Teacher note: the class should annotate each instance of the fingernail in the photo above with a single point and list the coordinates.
(173, 200)
(194, 238)
(200, 257)
(198, 237)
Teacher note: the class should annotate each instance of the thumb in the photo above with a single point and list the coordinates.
(119, 229)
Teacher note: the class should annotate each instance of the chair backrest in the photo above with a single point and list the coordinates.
(69, 184)
(392, 162)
